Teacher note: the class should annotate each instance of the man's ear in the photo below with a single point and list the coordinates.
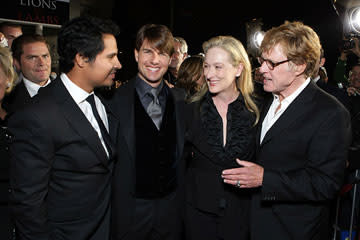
(299, 69)
(80, 60)
(136, 53)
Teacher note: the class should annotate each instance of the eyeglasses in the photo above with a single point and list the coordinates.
(271, 65)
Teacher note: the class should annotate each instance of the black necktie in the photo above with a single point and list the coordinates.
(105, 135)
(154, 108)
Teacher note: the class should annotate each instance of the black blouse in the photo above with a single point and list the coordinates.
(240, 137)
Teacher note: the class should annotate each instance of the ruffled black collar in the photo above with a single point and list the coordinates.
(240, 131)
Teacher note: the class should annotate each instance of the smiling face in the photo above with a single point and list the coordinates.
(219, 72)
(35, 62)
(152, 63)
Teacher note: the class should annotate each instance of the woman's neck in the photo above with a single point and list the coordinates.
(226, 98)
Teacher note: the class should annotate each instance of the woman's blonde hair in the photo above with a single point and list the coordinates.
(6, 64)
(238, 56)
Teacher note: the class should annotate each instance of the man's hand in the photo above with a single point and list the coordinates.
(250, 175)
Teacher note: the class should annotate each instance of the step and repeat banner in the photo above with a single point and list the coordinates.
(54, 12)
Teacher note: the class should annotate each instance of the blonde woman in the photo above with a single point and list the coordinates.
(221, 124)
(7, 76)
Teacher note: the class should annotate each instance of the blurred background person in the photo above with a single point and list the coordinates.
(221, 127)
(349, 57)
(7, 77)
(354, 99)
(191, 75)
(32, 58)
(321, 78)
(354, 81)
(179, 55)
(11, 31)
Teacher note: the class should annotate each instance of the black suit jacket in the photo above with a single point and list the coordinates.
(123, 198)
(303, 155)
(60, 174)
(17, 99)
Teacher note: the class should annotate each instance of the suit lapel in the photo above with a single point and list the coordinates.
(78, 120)
(180, 122)
(125, 109)
(292, 113)
(25, 95)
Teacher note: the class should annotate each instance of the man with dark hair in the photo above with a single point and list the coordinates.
(32, 59)
(150, 170)
(11, 31)
(63, 150)
(302, 142)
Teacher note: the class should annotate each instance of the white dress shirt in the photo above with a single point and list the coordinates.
(33, 88)
(272, 115)
(79, 95)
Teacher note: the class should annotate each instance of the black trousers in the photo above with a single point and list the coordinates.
(157, 219)
(232, 225)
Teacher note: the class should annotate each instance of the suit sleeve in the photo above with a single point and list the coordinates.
(322, 175)
(31, 158)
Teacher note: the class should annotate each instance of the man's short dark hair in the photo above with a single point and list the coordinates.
(158, 35)
(83, 35)
(19, 42)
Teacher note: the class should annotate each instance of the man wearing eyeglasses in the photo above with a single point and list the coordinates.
(302, 142)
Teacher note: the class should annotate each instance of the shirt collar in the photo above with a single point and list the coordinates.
(32, 87)
(143, 87)
(78, 94)
(292, 96)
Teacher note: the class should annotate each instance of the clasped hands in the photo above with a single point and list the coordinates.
(250, 175)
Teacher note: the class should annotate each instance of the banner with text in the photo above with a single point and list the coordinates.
(41, 11)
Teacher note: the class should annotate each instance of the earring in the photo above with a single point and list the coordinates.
(8, 85)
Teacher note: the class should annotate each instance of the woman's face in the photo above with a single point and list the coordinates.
(3, 83)
(219, 72)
